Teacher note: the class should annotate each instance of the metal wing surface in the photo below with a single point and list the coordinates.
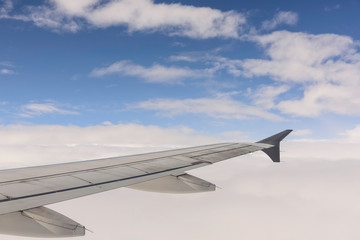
(24, 191)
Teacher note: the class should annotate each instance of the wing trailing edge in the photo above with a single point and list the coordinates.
(184, 183)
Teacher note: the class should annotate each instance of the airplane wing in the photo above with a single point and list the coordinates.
(25, 191)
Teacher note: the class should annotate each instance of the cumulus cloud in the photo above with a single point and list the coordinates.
(281, 18)
(316, 179)
(38, 109)
(300, 57)
(326, 66)
(156, 73)
(136, 15)
(219, 107)
(315, 73)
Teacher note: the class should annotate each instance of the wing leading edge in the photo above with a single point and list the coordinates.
(24, 192)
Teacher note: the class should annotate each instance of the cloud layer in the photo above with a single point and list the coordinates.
(71, 143)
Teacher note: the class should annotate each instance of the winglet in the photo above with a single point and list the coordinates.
(274, 152)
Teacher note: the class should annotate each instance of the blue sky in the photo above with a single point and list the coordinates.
(251, 66)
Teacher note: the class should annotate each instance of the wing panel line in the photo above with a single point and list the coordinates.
(201, 155)
(95, 184)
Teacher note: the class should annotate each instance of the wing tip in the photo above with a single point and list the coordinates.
(274, 152)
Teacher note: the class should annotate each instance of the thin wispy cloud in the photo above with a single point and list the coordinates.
(135, 15)
(156, 73)
(215, 63)
(5, 71)
(281, 18)
(39, 109)
(218, 107)
(6, 7)
(7, 67)
(332, 8)
(6, 64)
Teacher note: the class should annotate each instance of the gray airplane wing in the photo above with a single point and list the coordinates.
(24, 192)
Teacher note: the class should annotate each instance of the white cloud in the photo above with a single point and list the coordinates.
(316, 179)
(156, 73)
(281, 18)
(217, 63)
(5, 71)
(41, 16)
(38, 109)
(136, 15)
(323, 68)
(301, 132)
(185, 58)
(70, 143)
(301, 57)
(339, 99)
(48, 17)
(219, 107)
(235, 136)
(266, 95)
(326, 66)
(353, 135)
(7, 67)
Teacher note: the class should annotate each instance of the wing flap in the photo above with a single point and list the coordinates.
(184, 183)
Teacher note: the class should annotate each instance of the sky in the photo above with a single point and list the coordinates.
(90, 79)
